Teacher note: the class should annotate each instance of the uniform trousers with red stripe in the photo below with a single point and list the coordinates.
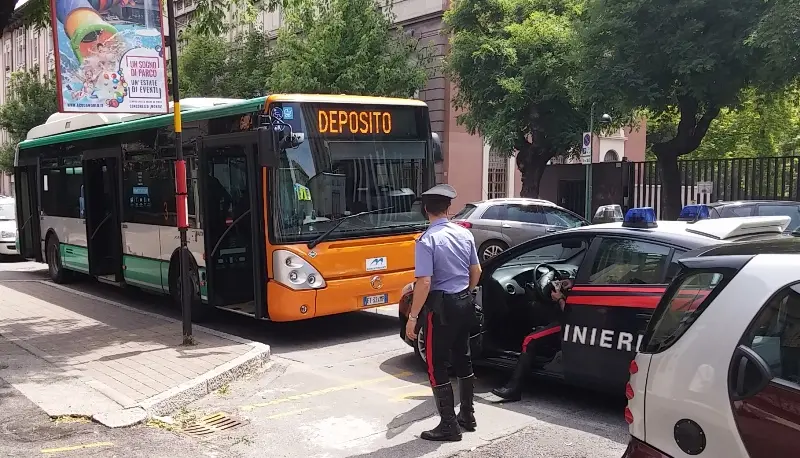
(551, 331)
(447, 341)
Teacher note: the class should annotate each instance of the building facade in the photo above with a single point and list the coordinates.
(24, 48)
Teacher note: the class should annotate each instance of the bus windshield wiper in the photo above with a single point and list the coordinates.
(339, 222)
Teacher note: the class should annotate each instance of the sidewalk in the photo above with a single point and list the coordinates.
(72, 353)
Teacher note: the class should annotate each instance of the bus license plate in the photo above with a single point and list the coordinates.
(376, 300)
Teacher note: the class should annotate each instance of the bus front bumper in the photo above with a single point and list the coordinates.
(338, 296)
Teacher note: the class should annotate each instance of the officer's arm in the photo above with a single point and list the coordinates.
(423, 270)
(474, 268)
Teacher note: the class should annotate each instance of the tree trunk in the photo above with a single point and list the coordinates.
(531, 165)
(670, 187)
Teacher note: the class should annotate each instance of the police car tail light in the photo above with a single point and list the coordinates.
(628, 416)
(641, 218)
(466, 224)
(693, 213)
(634, 368)
(294, 272)
(628, 391)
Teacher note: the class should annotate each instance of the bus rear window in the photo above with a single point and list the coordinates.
(685, 301)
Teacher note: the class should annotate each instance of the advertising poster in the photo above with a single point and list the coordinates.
(110, 56)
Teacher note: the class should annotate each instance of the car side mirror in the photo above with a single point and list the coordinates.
(749, 374)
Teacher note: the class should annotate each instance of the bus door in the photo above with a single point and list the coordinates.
(233, 222)
(101, 210)
(28, 227)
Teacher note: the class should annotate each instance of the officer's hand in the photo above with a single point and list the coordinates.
(410, 328)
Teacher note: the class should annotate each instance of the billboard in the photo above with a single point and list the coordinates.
(109, 56)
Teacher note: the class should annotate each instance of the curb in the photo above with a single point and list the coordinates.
(168, 401)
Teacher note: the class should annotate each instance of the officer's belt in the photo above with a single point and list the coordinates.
(436, 301)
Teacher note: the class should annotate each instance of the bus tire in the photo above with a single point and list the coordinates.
(54, 266)
(200, 312)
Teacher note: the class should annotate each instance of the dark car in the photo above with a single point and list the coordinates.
(620, 271)
(740, 208)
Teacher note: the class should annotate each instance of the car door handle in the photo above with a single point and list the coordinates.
(550, 230)
(506, 225)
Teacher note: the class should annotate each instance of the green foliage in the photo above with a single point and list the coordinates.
(512, 61)
(30, 103)
(689, 60)
(210, 66)
(346, 46)
(762, 125)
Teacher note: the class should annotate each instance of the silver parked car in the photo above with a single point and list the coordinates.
(498, 224)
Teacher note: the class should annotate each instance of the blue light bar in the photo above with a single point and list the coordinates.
(694, 213)
(642, 218)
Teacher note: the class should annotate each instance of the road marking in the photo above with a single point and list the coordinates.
(328, 390)
(414, 394)
(77, 447)
(286, 414)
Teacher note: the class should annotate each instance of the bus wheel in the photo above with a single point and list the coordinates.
(57, 272)
(200, 312)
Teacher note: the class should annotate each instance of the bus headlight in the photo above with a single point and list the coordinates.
(294, 272)
(8, 234)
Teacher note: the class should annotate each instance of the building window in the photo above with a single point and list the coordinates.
(611, 156)
(34, 46)
(498, 176)
(21, 48)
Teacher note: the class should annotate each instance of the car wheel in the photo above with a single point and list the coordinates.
(491, 249)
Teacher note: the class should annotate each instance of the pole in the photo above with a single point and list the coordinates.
(588, 190)
(181, 194)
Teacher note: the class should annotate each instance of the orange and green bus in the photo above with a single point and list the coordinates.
(299, 205)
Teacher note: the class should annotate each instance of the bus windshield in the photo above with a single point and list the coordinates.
(330, 177)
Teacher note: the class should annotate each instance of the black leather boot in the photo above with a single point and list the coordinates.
(513, 389)
(466, 413)
(448, 429)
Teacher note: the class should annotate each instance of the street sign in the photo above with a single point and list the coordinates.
(586, 148)
(705, 187)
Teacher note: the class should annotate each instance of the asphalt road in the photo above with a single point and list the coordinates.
(347, 386)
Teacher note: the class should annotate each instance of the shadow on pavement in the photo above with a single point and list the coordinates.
(544, 400)
(282, 337)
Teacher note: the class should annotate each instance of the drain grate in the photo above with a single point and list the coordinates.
(212, 424)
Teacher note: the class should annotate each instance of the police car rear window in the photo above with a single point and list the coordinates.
(684, 302)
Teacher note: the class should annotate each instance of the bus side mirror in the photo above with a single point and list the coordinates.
(437, 148)
(268, 147)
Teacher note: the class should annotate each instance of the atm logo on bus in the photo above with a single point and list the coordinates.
(374, 264)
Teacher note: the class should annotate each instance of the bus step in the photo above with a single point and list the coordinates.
(109, 280)
(245, 308)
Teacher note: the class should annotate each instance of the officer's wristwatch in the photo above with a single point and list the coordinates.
(413, 318)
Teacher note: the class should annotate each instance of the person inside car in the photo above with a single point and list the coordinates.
(557, 292)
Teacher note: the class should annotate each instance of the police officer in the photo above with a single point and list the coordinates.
(447, 270)
(556, 291)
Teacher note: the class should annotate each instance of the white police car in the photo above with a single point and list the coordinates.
(719, 370)
(619, 270)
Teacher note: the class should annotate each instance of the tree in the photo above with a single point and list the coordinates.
(346, 46)
(211, 66)
(761, 125)
(512, 62)
(693, 59)
(31, 102)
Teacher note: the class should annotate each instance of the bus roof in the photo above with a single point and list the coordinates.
(63, 127)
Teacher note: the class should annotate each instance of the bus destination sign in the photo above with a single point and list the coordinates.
(358, 121)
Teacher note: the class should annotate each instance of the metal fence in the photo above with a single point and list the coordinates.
(704, 181)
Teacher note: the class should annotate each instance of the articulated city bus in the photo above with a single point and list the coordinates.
(299, 205)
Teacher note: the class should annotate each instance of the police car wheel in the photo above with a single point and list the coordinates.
(419, 348)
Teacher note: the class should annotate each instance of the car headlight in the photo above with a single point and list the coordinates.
(8, 235)
(407, 289)
(295, 272)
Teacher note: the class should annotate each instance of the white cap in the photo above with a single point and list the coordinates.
(444, 190)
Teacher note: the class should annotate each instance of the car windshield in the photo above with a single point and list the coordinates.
(683, 304)
(7, 211)
(557, 253)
